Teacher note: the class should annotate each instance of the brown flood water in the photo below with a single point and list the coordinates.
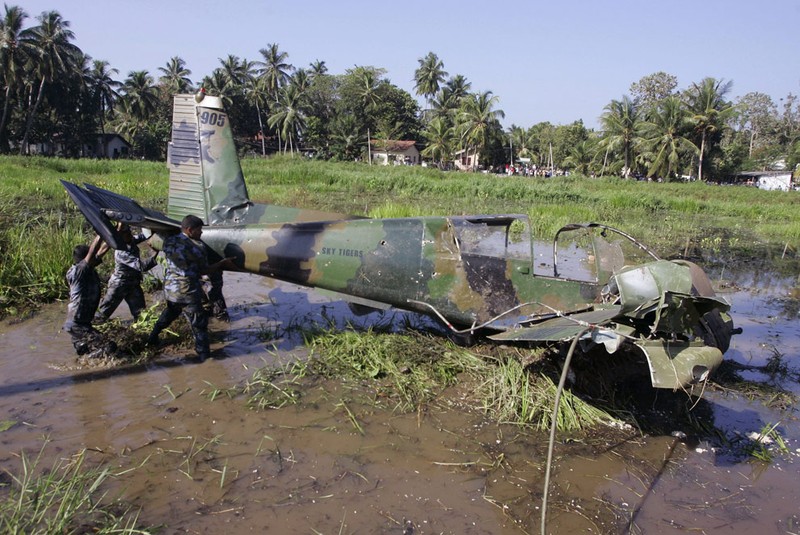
(214, 466)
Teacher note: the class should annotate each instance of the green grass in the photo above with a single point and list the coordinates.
(39, 224)
(408, 372)
(67, 498)
(34, 253)
(512, 393)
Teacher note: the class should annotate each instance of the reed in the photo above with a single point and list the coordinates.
(35, 256)
(409, 371)
(67, 498)
(511, 393)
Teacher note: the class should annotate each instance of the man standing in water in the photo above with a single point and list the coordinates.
(186, 264)
(126, 281)
(84, 296)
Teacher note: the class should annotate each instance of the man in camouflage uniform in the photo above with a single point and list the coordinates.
(84, 295)
(186, 264)
(126, 280)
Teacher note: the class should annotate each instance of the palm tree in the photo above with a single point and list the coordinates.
(439, 135)
(53, 55)
(274, 72)
(176, 76)
(288, 118)
(458, 86)
(235, 71)
(140, 94)
(102, 88)
(274, 69)
(136, 110)
(216, 83)
(253, 92)
(447, 100)
(580, 157)
(317, 68)
(360, 95)
(520, 140)
(476, 118)
(301, 80)
(443, 105)
(125, 121)
(367, 87)
(620, 122)
(429, 76)
(14, 50)
(662, 138)
(708, 110)
(346, 138)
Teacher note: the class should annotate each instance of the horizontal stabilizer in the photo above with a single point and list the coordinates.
(102, 208)
(558, 329)
(118, 207)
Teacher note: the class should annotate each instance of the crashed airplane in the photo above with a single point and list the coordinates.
(479, 275)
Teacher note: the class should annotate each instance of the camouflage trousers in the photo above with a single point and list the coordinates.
(197, 317)
(91, 343)
(130, 291)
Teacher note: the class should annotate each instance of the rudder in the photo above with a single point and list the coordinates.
(205, 176)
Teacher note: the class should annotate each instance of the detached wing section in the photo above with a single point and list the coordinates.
(558, 329)
(102, 208)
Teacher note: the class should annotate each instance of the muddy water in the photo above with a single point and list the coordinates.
(206, 466)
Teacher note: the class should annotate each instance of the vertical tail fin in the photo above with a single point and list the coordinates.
(205, 177)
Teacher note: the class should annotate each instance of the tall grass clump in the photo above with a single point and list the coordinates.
(410, 369)
(65, 499)
(405, 370)
(36, 254)
(511, 393)
(394, 210)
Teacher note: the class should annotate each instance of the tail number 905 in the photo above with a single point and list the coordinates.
(212, 118)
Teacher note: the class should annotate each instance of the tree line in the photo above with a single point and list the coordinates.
(54, 93)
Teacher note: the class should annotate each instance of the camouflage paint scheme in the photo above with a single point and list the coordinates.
(474, 273)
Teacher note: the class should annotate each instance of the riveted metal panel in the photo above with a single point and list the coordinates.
(186, 187)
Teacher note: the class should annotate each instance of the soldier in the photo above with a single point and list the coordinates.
(186, 264)
(126, 281)
(84, 295)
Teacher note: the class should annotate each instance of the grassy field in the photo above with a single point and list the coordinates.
(39, 224)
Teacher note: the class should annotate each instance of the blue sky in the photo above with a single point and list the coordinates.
(556, 61)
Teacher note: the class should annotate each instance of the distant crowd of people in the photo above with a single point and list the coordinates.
(524, 169)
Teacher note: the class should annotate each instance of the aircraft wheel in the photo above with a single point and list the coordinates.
(717, 329)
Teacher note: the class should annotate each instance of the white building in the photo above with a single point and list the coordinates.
(396, 152)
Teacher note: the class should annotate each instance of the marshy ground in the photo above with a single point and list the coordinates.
(184, 444)
(197, 448)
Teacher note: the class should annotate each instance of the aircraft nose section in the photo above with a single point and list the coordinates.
(645, 284)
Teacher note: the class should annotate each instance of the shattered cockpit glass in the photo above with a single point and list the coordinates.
(494, 236)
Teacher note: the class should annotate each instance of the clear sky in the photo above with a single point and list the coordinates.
(555, 60)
